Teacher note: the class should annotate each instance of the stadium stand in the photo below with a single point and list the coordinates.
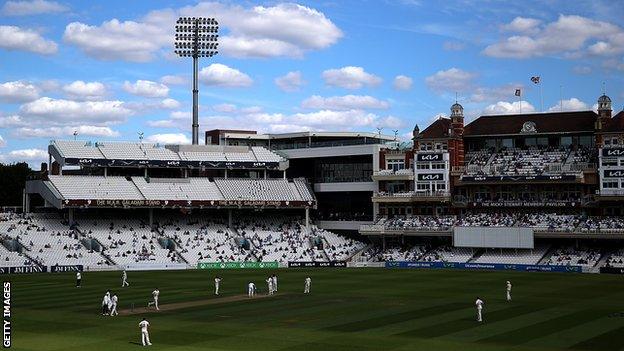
(568, 256)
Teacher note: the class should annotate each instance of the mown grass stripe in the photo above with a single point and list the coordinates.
(375, 322)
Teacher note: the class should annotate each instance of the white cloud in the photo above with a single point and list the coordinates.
(347, 102)
(288, 30)
(169, 138)
(11, 121)
(218, 74)
(61, 111)
(350, 77)
(146, 88)
(80, 90)
(290, 82)
(173, 80)
(282, 30)
(2, 141)
(32, 156)
(493, 94)
(225, 108)
(324, 118)
(18, 91)
(27, 132)
(523, 25)
(115, 40)
(33, 7)
(451, 80)
(390, 122)
(504, 107)
(402, 82)
(16, 38)
(569, 35)
(572, 104)
(453, 46)
(170, 104)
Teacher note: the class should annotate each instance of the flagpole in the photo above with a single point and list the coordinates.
(541, 97)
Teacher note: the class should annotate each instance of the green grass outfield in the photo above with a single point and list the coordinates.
(348, 309)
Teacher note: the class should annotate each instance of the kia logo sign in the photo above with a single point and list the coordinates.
(614, 173)
(432, 176)
(429, 157)
(613, 152)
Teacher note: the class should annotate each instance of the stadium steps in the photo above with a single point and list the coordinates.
(547, 255)
(162, 236)
(357, 257)
(602, 261)
(476, 255)
(82, 235)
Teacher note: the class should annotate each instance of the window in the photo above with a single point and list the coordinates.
(395, 165)
(610, 184)
(508, 143)
(441, 186)
(438, 166)
(422, 166)
(566, 141)
(609, 162)
(423, 186)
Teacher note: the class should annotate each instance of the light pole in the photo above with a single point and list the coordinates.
(141, 134)
(196, 37)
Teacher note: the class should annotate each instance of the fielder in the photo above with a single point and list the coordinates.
(78, 279)
(508, 290)
(155, 295)
(105, 302)
(308, 282)
(144, 324)
(270, 285)
(113, 310)
(479, 303)
(251, 289)
(124, 279)
(217, 282)
(274, 277)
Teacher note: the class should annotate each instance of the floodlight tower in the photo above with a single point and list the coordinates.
(196, 37)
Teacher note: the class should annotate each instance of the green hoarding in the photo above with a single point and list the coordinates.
(237, 265)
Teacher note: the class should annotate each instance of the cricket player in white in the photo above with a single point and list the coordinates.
(113, 310)
(251, 289)
(508, 290)
(308, 282)
(270, 285)
(217, 282)
(274, 283)
(105, 303)
(78, 279)
(144, 324)
(124, 279)
(479, 303)
(155, 294)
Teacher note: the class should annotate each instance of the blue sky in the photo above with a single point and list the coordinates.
(106, 68)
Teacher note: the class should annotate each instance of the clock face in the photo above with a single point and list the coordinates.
(528, 127)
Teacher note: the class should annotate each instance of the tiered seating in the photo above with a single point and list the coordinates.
(425, 223)
(178, 189)
(13, 259)
(95, 187)
(304, 191)
(73, 149)
(49, 242)
(512, 256)
(279, 239)
(257, 189)
(138, 188)
(339, 248)
(128, 241)
(448, 254)
(264, 155)
(156, 152)
(526, 162)
(570, 256)
(616, 259)
(204, 240)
